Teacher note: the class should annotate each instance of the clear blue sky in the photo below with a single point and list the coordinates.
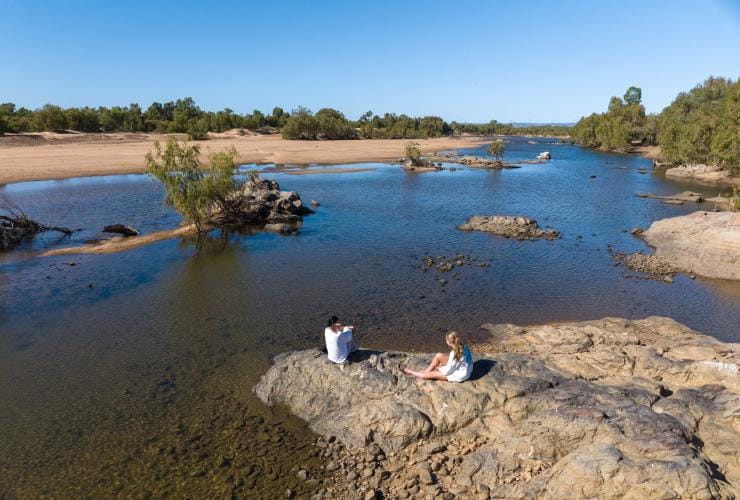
(535, 61)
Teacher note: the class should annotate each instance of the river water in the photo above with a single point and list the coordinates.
(130, 373)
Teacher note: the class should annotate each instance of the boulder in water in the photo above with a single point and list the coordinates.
(121, 229)
(522, 228)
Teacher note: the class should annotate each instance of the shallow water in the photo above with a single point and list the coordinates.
(114, 365)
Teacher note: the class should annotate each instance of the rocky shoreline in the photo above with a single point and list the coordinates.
(702, 173)
(702, 243)
(608, 408)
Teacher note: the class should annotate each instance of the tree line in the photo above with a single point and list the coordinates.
(184, 116)
(180, 116)
(699, 126)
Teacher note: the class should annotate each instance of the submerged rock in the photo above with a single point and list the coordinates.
(704, 243)
(606, 408)
(121, 229)
(522, 228)
(657, 267)
(677, 198)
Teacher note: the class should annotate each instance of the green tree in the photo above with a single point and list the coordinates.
(331, 124)
(301, 125)
(195, 190)
(633, 95)
(412, 152)
(701, 126)
(496, 149)
(50, 117)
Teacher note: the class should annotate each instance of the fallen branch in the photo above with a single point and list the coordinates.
(15, 225)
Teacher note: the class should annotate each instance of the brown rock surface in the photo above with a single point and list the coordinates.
(522, 228)
(704, 243)
(608, 408)
(704, 173)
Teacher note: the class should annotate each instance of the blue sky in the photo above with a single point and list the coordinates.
(536, 61)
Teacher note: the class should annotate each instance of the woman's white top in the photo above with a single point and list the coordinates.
(338, 345)
(458, 370)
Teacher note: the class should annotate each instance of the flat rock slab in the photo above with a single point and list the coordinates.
(609, 408)
(704, 243)
(509, 226)
(699, 172)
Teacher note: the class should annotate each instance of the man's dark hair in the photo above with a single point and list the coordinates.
(333, 320)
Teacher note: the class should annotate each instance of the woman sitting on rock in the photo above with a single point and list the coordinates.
(454, 367)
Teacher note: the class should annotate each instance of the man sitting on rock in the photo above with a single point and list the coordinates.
(339, 340)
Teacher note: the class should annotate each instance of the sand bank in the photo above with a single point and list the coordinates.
(60, 156)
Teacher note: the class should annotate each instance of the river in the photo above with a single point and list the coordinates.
(130, 373)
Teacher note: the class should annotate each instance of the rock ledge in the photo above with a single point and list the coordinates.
(608, 408)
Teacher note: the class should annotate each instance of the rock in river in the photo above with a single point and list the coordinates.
(704, 243)
(522, 228)
(260, 201)
(704, 173)
(607, 408)
(121, 229)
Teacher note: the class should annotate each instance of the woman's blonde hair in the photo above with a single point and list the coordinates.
(457, 345)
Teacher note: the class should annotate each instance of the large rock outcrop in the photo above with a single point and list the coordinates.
(699, 172)
(260, 201)
(704, 243)
(610, 408)
(509, 226)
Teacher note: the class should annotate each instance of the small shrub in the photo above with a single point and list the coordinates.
(496, 149)
(412, 152)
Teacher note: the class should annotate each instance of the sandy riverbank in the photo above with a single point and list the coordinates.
(60, 156)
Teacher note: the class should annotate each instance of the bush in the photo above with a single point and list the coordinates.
(496, 149)
(301, 125)
(412, 152)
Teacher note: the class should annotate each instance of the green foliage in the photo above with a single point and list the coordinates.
(623, 124)
(193, 189)
(412, 152)
(701, 126)
(49, 117)
(735, 199)
(331, 124)
(633, 95)
(392, 126)
(181, 116)
(301, 125)
(496, 149)
(3, 120)
(495, 128)
(327, 123)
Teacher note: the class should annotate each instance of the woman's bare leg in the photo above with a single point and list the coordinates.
(434, 375)
(439, 359)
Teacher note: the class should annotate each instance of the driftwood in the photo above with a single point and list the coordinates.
(121, 229)
(15, 225)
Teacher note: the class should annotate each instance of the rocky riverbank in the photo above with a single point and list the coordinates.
(703, 173)
(703, 243)
(606, 408)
